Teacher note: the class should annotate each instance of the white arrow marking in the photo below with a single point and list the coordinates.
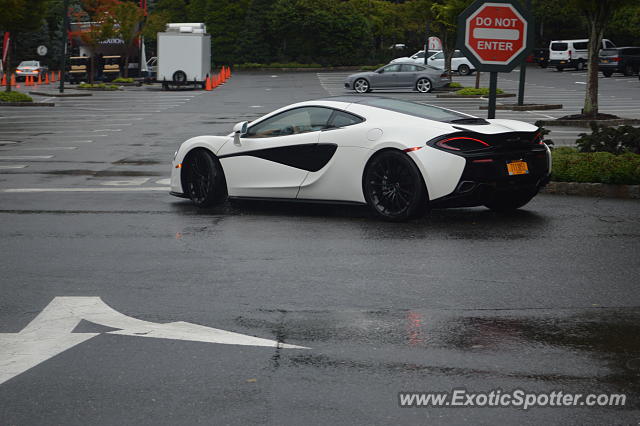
(50, 333)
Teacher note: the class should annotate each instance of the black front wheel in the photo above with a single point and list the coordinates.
(393, 186)
(510, 200)
(607, 73)
(204, 179)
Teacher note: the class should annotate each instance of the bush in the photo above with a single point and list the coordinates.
(371, 67)
(455, 85)
(484, 91)
(616, 140)
(14, 97)
(98, 86)
(123, 80)
(569, 165)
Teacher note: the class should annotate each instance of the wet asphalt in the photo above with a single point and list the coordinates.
(543, 299)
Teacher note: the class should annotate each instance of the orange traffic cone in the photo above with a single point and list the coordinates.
(58, 78)
(207, 85)
(4, 80)
(39, 80)
(13, 79)
(46, 79)
(26, 81)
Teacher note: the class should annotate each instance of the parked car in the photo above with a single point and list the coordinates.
(417, 57)
(459, 62)
(397, 157)
(422, 78)
(572, 53)
(625, 60)
(540, 56)
(30, 69)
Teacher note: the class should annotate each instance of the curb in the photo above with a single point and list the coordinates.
(27, 104)
(97, 89)
(587, 123)
(60, 95)
(240, 69)
(593, 190)
(504, 95)
(532, 107)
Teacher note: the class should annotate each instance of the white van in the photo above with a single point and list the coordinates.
(572, 53)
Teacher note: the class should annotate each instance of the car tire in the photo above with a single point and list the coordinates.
(510, 200)
(179, 77)
(607, 73)
(580, 66)
(203, 178)
(543, 64)
(361, 85)
(393, 186)
(628, 70)
(464, 70)
(560, 69)
(424, 85)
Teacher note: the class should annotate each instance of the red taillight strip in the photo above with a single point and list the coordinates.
(443, 143)
(483, 160)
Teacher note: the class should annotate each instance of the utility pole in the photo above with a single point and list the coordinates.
(523, 66)
(65, 35)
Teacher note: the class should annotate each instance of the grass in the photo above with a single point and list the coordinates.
(484, 91)
(98, 86)
(14, 97)
(456, 85)
(123, 80)
(569, 165)
(371, 67)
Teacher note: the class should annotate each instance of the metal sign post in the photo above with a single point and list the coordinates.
(497, 37)
(523, 66)
(65, 41)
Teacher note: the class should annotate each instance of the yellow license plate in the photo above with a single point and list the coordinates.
(517, 168)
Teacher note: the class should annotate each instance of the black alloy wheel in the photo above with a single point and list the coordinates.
(393, 186)
(204, 179)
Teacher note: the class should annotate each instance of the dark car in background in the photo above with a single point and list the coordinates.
(540, 56)
(625, 60)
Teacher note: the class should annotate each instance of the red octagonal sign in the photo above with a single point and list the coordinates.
(496, 33)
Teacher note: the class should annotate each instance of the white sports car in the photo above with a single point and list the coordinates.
(396, 156)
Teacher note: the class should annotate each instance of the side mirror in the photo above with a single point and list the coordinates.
(241, 128)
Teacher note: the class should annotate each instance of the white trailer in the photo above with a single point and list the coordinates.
(184, 55)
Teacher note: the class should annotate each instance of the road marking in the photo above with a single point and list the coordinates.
(14, 166)
(51, 333)
(46, 148)
(131, 182)
(580, 82)
(25, 157)
(96, 189)
(163, 181)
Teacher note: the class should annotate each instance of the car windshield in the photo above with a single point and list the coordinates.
(417, 110)
(559, 47)
(28, 64)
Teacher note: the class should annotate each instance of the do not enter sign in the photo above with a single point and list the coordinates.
(496, 34)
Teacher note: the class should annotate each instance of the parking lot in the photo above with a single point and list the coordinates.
(540, 300)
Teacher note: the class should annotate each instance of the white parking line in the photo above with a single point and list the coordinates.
(25, 157)
(96, 189)
(13, 166)
(46, 148)
(129, 182)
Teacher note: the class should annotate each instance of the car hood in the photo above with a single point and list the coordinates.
(361, 74)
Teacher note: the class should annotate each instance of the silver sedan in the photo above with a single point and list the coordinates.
(422, 78)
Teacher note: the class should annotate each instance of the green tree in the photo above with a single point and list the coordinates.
(127, 20)
(445, 14)
(20, 17)
(598, 15)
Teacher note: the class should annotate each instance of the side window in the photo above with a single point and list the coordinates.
(408, 68)
(420, 55)
(608, 44)
(342, 119)
(580, 45)
(297, 120)
(438, 56)
(457, 54)
(392, 68)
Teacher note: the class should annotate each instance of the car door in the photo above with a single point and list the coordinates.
(437, 60)
(272, 159)
(387, 77)
(407, 75)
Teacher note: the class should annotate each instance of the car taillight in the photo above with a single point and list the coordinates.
(444, 75)
(538, 138)
(615, 59)
(462, 143)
